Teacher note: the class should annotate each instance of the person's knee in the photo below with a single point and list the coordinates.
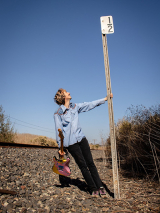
(82, 165)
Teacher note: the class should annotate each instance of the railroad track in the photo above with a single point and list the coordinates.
(17, 145)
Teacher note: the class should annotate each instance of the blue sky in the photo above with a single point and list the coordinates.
(49, 44)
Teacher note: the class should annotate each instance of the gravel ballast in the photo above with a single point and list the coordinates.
(28, 171)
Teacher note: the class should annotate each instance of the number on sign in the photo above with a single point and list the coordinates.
(110, 28)
(107, 24)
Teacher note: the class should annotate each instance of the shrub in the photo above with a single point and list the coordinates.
(97, 146)
(94, 146)
(44, 141)
(6, 130)
(138, 142)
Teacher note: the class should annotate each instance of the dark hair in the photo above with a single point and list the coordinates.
(59, 97)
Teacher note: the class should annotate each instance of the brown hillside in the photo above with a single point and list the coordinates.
(26, 138)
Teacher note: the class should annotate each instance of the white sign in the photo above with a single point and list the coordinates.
(107, 24)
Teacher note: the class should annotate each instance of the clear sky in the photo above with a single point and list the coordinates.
(49, 44)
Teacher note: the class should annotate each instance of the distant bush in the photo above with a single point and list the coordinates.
(94, 146)
(138, 142)
(97, 146)
(44, 141)
(7, 133)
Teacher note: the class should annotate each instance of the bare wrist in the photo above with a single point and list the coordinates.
(105, 98)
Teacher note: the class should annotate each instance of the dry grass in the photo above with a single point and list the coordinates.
(138, 142)
(97, 147)
(26, 138)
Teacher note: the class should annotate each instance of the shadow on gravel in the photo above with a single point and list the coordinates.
(67, 181)
(107, 190)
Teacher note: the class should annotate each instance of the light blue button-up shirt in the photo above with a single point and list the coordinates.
(67, 120)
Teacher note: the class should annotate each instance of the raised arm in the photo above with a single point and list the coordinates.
(86, 106)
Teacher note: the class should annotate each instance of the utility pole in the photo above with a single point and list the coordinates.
(94, 141)
(107, 28)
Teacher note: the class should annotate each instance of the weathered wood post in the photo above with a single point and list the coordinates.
(107, 28)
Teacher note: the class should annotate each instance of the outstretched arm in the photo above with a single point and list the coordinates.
(86, 106)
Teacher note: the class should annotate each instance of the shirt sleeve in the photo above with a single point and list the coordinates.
(58, 125)
(86, 106)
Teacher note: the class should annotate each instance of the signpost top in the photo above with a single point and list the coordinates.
(107, 24)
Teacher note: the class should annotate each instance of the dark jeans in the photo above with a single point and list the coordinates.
(83, 157)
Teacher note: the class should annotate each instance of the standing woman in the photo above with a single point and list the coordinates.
(66, 119)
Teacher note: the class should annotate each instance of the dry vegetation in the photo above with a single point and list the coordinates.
(35, 140)
(138, 143)
(7, 133)
(26, 138)
(97, 147)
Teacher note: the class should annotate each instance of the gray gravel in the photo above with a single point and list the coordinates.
(29, 172)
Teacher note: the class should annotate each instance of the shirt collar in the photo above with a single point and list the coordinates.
(63, 108)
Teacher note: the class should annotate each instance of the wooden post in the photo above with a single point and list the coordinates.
(111, 120)
(107, 28)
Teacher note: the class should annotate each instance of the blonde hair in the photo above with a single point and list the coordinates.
(59, 97)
